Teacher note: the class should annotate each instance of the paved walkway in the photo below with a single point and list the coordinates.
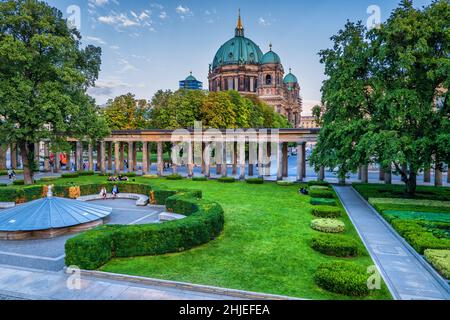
(405, 275)
(20, 283)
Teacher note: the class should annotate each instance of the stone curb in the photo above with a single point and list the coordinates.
(421, 259)
(245, 295)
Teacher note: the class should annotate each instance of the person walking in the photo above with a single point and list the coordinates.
(115, 191)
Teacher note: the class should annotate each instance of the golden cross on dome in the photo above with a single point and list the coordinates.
(239, 24)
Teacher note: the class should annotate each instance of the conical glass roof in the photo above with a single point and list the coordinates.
(50, 213)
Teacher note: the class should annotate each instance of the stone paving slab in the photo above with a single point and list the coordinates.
(402, 270)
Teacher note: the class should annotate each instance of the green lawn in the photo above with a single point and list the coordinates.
(264, 247)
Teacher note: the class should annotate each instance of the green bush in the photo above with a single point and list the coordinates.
(328, 225)
(3, 185)
(85, 173)
(410, 215)
(10, 194)
(130, 175)
(321, 194)
(199, 179)
(31, 193)
(70, 175)
(318, 183)
(174, 177)
(255, 181)
(323, 202)
(226, 180)
(440, 260)
(150, 176)
(327, 212)
(319, 188)
(343, 278)
(205, 221)
(285, 183)
(18, 182)
(398, 191)
(335, 245)
(48, 179)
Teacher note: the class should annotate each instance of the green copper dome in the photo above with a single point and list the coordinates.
(238, 51)
(290, 78)
(271, 57)
(191, 78)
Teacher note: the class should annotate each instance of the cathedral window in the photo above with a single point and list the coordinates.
(268, 79)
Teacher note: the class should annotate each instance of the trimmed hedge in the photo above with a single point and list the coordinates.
(335, 245)
(86, 173)
(48, 179)
(343, 278)
(70, 175)
(398, 191)
(255, 181)
(323, 202)
(21, 195)
(19, 182)
(205, 221)
(440, 260)
(327, 212)
(328, 225)
(199, 179)
(174, 177)
(285, 183)
(318, 183)
(3, 185)
(319, 188)
(226, 180)
(150, 176)
(324, 194)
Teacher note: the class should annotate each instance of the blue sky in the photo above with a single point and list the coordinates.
(152, 45)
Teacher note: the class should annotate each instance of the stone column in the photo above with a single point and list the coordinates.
(99, 156)
(268, 166)
(427, 175)
(261, 167)
(388, 176)
(116, 157)
(203, 157)
(160, 159)
(190, 159)
(382, 174)
(364, 174)
(242, 160)
(235, 159)
(285, 160)
(174, 165)
(252, 157)
(134, 166)
(130, 156)
(219, 155)
(438, 176)
(102, 157)
(90, 157)
(224, 159)
(110, 152)
(301, 161)
(3, 149)
(321, 174)
(304, 161)
(207, 159)
(121, 156)
(46, 157)
(145, 158)
(13, 156)
(280, 161)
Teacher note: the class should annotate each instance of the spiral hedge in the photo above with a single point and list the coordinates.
(204, 222)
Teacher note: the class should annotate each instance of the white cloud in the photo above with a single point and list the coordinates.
(97, 3)
(126, 65)
(184, 12)
(118, 19)
(163, 15)
(263, 22)
(96, 39)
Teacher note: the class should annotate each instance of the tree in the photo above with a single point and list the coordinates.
(44, 75)
(218, 111)
(386, 99)
(126, 113)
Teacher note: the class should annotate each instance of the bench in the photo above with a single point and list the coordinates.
(168, 216)
(7, 205)
(141, 200)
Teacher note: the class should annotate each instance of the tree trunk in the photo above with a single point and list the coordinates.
(411, 184)
(27, 154)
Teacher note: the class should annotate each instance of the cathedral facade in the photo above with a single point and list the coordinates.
(240, 65)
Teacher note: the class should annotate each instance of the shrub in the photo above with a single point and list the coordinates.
(69, 175)
(31, 193)
(285, 183)
(174, 177)
(398, 191)
(199, 179)
(335, 245)
(318, 183)
(85, 173)
(130, 175)
(321, 194)
(323, 202)
(94, 248)
(10, 194)
(161, 195)
(226, 180)
(255, 181)
(343, 278)
(18, 182)
(151, 176)
(440, 259)
(328, 225)
(3, 185)
(48, 179)
(327, 212)
(319, 188)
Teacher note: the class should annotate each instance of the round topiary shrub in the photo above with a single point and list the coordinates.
(335, 245)
(199, 179)
(323, 202)
(343, 278)
(327, 212)
(226, 180)
(174, 177)
(255, 181)
(285, 183)
(328, 225)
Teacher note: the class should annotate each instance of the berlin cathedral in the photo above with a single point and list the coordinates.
(240, 65)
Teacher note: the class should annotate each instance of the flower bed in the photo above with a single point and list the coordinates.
(328, 225)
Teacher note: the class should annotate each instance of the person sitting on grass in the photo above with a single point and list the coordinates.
(115, 191)
(304, 191)
(103, 193)
(123, 178)
(112, 179)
